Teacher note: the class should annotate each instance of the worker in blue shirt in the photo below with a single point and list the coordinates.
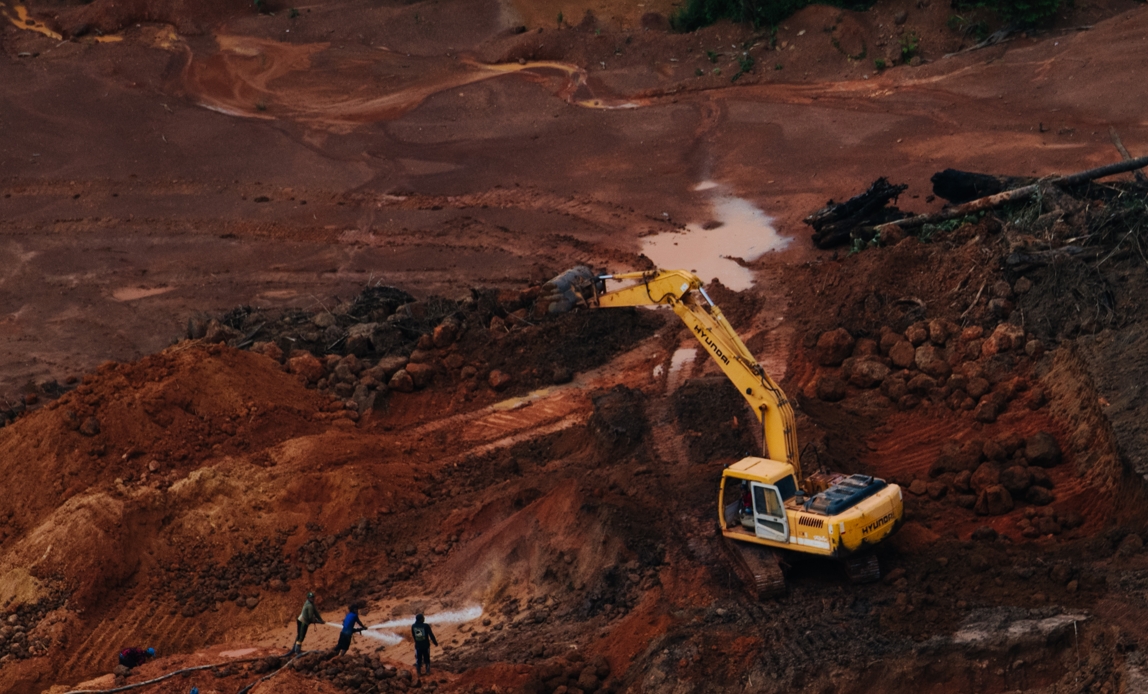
(349, 628)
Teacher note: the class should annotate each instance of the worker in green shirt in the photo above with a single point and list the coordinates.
(307, 617)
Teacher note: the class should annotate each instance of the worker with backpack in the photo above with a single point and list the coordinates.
(423, 635)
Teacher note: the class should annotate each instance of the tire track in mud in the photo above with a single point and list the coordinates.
(136, 625)
(533, 415)
(909, 443)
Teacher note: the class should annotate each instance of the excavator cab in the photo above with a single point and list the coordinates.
(754, 494)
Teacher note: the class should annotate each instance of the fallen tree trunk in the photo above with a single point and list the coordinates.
(999, 199)
(1124, 152)
(963, 186)
(834, 223)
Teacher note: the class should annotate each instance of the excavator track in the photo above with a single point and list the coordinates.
(863, 569)
(759, 568)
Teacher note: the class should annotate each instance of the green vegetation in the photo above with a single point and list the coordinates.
(745, 64)
(879, 64)
(778, 66)
(695, 14)
(713, 56)
(560, 18)
(292, 13)
(260, 105)
(910, 44)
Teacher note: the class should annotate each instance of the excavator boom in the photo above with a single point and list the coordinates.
(683, 292)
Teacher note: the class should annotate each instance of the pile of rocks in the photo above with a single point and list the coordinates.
(44, 391)
(18, 639)
(1039, 522)
(990, 476)
(240, 581)
(358, 673)
(934, 361)
(382, 342)
(569, 674)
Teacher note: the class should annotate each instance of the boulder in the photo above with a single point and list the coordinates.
(993, 501)
(902, 354)
(830, 388)
(1016, 479)
(401, 382)
(917, 333)
(994, 451)
(268, 349)
(894, 387)
(984, 533)
(921, 384)
(499, 380)
(343, 374)
(937, 490)
(306, 366)
(918, 487)
(218, 332)
(1001, 308)
(386, 368)
(868, 374)
(888, 340)
(1132, 544)
(1042, 450)
(908, 402)
(446, 333)
(930, 361)
(1038, 496)
(1040, 477)
(1010, 441)
(421, 374)
(359, 338)
(833, 347)
(90, 427)
(940, 331)
(986, 475)
(987, 410)
(866, 347)
(963, 481)
(973, 332)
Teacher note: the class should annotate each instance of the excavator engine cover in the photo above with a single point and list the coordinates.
(845, 494)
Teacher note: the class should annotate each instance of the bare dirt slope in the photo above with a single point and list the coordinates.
(167, 162)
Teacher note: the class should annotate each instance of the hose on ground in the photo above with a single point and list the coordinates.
(169, 675)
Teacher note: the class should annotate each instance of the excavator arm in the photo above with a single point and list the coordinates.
(683, 292)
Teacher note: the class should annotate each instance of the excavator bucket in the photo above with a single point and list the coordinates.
(573, 287)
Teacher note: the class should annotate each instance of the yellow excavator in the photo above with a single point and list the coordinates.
(765, 504)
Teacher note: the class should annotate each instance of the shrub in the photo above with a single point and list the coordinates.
(910, 44)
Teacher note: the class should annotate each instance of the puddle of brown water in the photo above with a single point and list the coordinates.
(745, 232)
